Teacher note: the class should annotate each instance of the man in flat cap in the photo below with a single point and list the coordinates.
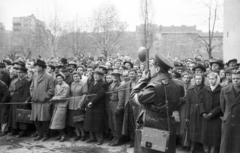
(20, 95)
(154, 92)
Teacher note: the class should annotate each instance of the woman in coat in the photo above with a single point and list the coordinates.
(194, 99)
(75, 107)
(58, 121)
(211, 112)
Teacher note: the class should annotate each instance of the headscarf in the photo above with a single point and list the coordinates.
(218, 80)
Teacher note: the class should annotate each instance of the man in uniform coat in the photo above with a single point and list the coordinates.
(230, 105)
(4, 97)
(96, 108)
(42, 90)
(20, 95)
(152, 94)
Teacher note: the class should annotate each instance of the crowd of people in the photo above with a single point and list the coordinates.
(100, 100)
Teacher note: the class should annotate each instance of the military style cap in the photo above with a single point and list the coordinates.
(163, 62)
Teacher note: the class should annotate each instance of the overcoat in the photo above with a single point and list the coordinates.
(128, 118)
(152, 96)
(230, 105)
(182, 110)
(94, 117)
(194, 99)
(60, 105)
(211, 129)
(21, 94)
(4, 97)
(5, 77)
(42, 90)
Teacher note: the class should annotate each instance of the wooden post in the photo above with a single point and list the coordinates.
(147, 60)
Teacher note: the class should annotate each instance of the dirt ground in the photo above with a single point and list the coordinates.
(27, 145)
(11, 144)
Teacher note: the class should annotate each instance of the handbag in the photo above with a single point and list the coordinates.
(156, 139)
(23, 116)
(79, 118)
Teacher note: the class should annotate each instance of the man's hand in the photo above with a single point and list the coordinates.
(209, 116)
(90, 104)
(187, 119)
(146, 74)
(204, 115)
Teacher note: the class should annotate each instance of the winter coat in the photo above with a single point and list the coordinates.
(230, 105)
(94, 117)
(5, 77)
(211, 129)
(77, 90)
(194, 99)
(58, 120)
(42, 90)
(4, 97)
(153, 99)
(21, 94)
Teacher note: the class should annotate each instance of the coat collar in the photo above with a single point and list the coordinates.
(218, 88)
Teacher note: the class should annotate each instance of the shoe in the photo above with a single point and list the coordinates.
(3, 134)
(77, 138)
(91, 140)
(110, 137)
(45, 139)
(11, 134)
(116, 143)
(83, 138)
(113, 140)
(34, 135)
(58, 138)
(100, 143)
(63, 139)
(131, 145)
(38, 138)
(21, 134)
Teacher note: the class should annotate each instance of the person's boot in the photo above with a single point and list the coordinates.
(117, 142)
(83, 138)
(63, 138)
(58, 138)
(76, 138)
(112, 141)
(38, 138)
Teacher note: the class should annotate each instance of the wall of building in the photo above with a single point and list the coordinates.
(231, 37)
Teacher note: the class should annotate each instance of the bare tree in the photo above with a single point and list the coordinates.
(107, 28)
(208, 42)
(148, 28)
(48, 34)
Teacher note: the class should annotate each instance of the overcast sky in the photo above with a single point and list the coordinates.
(166, 12)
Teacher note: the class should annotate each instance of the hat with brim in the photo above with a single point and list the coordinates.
(98, 71)
(131, 64)
(232, 60)
(163, 62)
(116, 72)
(61, 75)
(52, 66)
(72, 63)
(40, 63)
(200, 66)
(65, 69)
(22, 69)
(7, 61)
(64, 61)
(22, 64)
(2, 65)
(220, 63)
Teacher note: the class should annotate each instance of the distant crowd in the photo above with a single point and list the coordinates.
(89, 100)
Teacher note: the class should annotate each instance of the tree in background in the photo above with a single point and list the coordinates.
(213, 8)
(107, 29)
(147, 28)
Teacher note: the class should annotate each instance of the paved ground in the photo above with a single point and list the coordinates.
(27, 145)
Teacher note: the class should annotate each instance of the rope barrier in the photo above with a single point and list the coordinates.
(25, 103)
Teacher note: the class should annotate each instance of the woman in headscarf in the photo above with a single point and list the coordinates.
(58, 121)
(211, 112)
(75, 107)
(194, 99)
